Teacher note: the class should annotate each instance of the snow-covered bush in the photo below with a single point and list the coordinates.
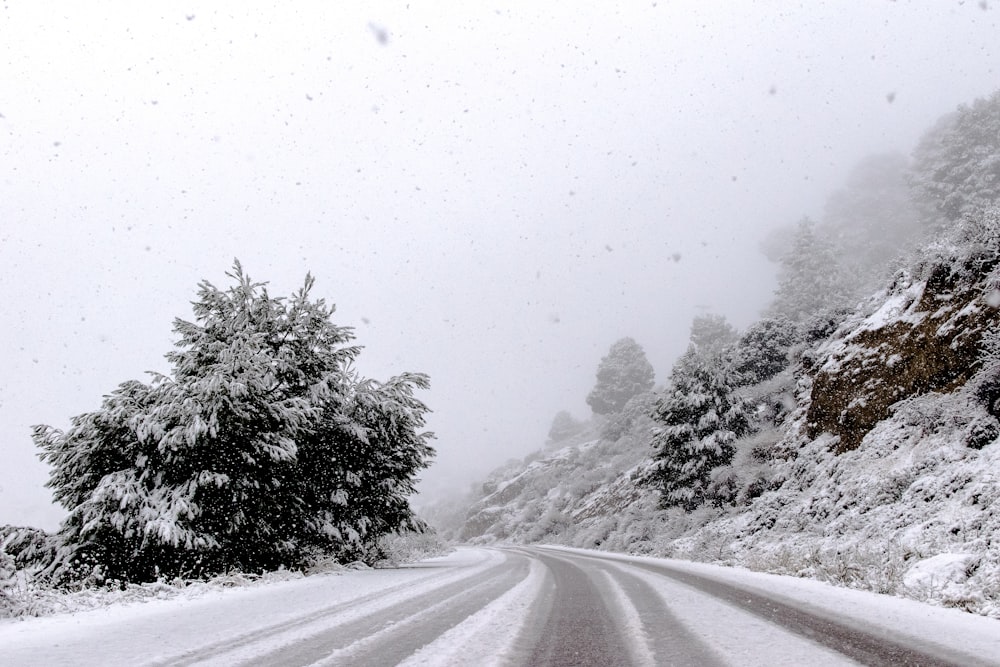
(261, 449)
(411, 546)
(8, 573)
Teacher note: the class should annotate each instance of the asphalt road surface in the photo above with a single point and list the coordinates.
(520, 606)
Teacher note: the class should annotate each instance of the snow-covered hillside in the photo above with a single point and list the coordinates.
(883, 474)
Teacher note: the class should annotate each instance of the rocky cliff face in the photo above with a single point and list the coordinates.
(925, 336)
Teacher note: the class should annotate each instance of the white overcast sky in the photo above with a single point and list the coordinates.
(492, 195)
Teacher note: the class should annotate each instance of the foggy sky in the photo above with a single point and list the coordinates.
(490, 193)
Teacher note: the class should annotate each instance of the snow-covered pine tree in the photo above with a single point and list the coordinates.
(622, 373)
(203, 471)
(762, 350)
(375, 440)
(698, 418)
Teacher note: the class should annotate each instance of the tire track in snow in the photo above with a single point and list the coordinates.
(230, 650)
(403, 629)
(864, 647)
(854, 642)
(666, 639)
(580, 629)
(726, 635)
(630, 621)
(489, 637)
(651, 633)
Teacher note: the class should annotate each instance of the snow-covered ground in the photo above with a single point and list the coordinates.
(909, 622)
(284, 621)
(254, 621)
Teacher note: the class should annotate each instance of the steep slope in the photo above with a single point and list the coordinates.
(569, 489)
(883, 475)
(925, 336)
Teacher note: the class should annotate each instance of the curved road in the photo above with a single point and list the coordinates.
(519, 606)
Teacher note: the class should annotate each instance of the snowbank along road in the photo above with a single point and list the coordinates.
(516, 606)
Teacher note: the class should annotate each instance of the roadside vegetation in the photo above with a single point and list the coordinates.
(262, 451)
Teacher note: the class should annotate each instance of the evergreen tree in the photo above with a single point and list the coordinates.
(762, 351)
(712, 335)
(622, 373)
(229, 461)
(374, 442)
(698, 419)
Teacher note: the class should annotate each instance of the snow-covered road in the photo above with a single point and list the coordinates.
(518, 606)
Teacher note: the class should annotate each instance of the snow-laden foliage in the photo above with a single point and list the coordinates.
(987, 382)
(8, 581)
(969, 250)
(698, 418)
(762, 350)
(622, 373)
(260, 450)
(956, 166)
(23, 551)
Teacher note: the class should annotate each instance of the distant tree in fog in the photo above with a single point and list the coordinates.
(633, 419)
(711, 334)
(956, 166)
(810, 277)
(871, 220)
(563, 426)
(622, 373)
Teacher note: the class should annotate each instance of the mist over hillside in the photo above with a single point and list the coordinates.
(849, 435)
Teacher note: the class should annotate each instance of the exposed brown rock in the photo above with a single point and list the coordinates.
(935, 347)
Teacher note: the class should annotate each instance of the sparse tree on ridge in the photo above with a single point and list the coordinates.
(622, 373)
(261, 449)
(956, 166)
